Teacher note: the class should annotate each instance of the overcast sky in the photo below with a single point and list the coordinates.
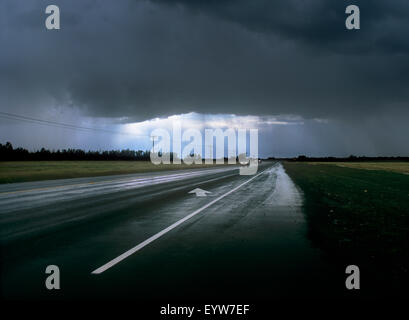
(289, 68)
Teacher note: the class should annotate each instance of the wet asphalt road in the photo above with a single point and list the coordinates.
(250, 245)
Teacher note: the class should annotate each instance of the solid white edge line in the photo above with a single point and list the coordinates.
(166, 230)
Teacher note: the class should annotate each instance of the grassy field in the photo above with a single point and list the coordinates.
(357, 215)
(21, 171)
(402, 167)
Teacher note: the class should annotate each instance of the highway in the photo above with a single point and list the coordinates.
(145, 237)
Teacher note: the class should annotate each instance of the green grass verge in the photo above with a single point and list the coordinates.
(357, 215)
(22, 171)
(402, 167)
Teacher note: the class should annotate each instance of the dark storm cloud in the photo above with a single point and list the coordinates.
(142, 59)
(317, 23)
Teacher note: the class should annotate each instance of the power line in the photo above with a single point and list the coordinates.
(11, 116)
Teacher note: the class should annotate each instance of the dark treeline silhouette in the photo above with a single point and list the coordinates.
(8, 153)
(351, 158)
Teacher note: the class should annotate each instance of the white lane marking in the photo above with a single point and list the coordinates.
(164, 231)
(200, 192)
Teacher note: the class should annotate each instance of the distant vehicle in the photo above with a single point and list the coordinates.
(247, 163)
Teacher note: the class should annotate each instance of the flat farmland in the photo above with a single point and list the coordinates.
(402, 167)
(359, 212)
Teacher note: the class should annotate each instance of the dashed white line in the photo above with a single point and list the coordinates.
(138, 247)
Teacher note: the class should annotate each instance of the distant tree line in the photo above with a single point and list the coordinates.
(8, 153)
(351, 158)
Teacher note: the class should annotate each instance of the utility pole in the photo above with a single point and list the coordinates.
(153, 143)
(209, 155)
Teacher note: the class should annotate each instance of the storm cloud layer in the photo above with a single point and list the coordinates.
(136, 59)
